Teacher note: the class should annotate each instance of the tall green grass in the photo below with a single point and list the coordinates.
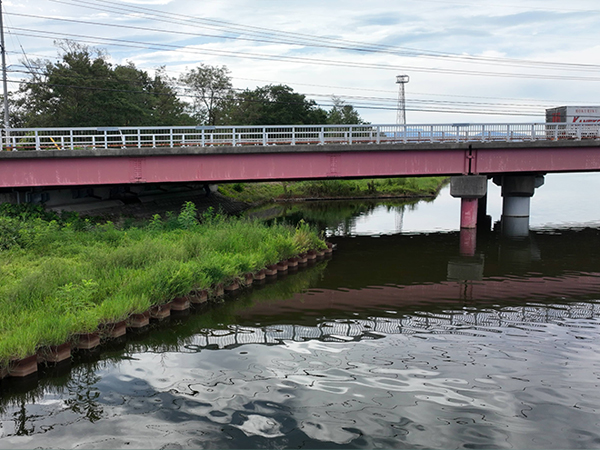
(62, 277)
(376, 187)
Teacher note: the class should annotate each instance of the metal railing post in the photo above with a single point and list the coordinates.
(295, 135)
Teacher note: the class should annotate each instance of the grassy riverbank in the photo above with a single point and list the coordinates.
(59, 277)
(368, 188)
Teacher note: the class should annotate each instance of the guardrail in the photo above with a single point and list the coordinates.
(19, 139)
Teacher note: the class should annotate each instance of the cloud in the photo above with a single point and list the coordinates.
(313, 29)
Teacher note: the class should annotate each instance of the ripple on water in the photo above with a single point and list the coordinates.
(524, 384)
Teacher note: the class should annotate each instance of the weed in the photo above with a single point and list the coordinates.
(62, 277)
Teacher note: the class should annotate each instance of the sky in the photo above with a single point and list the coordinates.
(468, 61)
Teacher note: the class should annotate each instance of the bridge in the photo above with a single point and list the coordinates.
(515, 155)
(112, 155)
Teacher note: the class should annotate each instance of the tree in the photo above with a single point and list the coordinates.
(342, 113)
(275, 105)
(211, 90)
(167, 107)
(15, 109)
(84, 89)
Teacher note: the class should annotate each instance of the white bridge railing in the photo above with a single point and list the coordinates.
(19, 139)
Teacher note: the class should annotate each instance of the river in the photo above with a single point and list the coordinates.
(395, 342)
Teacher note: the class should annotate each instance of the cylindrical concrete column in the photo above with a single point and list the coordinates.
(515, 227)
(516, 206)
(517, 191)
(515, 216)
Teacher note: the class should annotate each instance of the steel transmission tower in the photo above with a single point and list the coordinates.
(401, 115)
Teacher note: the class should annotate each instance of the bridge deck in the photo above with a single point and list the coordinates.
(299, 162)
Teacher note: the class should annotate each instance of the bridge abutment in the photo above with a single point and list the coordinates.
(517, 191)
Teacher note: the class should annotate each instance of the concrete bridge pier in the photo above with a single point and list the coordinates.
(517, 191)
(469, 188)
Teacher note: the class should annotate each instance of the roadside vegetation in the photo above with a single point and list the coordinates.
(82, 88)
(368, 188)
(63, 275)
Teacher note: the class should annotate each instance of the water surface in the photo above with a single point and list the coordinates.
(396, 342)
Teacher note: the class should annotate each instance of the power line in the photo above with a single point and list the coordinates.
(506, 5)
(370, 106)
(546, 102)
(291, 59)
(461, 58)
(184, 88)
(267, 31)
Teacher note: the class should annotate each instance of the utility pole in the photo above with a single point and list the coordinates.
(4, 82)
(401, 115)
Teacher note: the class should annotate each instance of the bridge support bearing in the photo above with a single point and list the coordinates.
(517, 191)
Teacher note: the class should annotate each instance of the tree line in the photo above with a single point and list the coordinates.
(84, 89)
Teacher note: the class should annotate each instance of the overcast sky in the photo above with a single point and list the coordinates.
(511, 58)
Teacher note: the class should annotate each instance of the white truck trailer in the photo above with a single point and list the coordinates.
(573, 122)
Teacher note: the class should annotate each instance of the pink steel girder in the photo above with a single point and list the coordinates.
(257, 163)
(292, 165)
(537, 159)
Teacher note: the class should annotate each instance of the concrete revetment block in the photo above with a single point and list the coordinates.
(199, 297)
(88, 341)
(180, 304)
(160, 312)
(23, 367)
(55, 353)
(139, 320)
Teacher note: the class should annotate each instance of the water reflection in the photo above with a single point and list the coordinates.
(497, 377)
(397, 341)
(345, 218)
